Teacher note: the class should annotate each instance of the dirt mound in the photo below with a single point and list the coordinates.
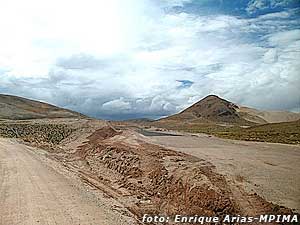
(160, 180)
(150, 179)
(103, 133)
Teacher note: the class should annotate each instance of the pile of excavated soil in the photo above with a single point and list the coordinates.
(150, 179)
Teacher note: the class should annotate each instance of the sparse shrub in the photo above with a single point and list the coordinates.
(38, 133)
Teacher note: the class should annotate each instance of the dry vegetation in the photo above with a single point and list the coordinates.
(286, 133)
(35, 132)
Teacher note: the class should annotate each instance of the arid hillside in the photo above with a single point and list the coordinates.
(216, 116)
(270, 116)
(18, 108)
(213, 109)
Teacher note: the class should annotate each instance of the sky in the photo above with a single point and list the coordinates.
(122, 59)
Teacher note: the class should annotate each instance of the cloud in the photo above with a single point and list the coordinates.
(141, 60)
(267, 6)
(117, 105)
(285, 38)
(79, 62)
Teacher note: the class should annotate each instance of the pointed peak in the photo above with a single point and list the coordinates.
(213, 98)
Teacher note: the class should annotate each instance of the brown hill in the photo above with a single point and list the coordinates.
(18, 108)
(210, 109)
(269, 116)
(213, 109)
(216, 116)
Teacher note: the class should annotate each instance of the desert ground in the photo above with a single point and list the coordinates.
(86, 171)
(35, 190)
(269, 169)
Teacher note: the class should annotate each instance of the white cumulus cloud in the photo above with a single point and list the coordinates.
(122, 60)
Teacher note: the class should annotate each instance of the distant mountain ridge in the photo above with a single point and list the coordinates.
(18, 108)
(215, 109)
(270, 116)
(211, 109)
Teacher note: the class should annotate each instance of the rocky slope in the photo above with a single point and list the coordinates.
(18, 108)
(217, 110)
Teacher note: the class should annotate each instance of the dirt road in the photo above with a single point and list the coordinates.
(271, 170)
(33, 192)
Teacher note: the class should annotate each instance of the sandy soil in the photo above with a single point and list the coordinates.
(101, 175)
(32, 191)
(271, 116)
(271, 170)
